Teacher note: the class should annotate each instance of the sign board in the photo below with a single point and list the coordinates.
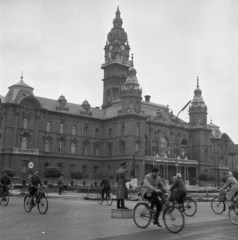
(30, 164)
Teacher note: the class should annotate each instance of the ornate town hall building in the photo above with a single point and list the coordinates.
(54, 132)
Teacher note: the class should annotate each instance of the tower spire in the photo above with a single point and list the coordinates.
(197, 82)
(132, 60)
(22, 76)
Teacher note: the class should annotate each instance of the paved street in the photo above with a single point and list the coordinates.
(74, 219)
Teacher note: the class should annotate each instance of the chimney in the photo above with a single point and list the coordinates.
(147, 98)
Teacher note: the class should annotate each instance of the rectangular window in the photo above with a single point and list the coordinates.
(84, 168)
(48, 126)
(73, 130)
(86, 132)
(97, 133)
(96, 151)
(61, 128)
(110, 133)
(110, 150)
(25, 123)
(95, 170)
(85, 150)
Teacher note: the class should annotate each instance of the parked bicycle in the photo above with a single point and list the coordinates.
(108, 197)
(5, 196)
(38, 199)
(172, 216)
(187, 205)
(219, 204)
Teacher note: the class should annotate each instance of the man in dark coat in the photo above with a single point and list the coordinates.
(178, 189)
(5, 181)
(121, 176)
(61, 184)
(33, 184)
(105, 184)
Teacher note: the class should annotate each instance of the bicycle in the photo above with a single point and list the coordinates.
(187, 205)
(38, 199)
(108, 197)
(218, 206)
(172, 216)
(5, 197)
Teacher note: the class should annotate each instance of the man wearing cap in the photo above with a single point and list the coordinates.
(178, 189)
(232, 184)
(105, 185)
(121, 177)
(152, 187)
(33, 183)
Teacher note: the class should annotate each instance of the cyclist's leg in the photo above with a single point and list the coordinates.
(103, 192)
(155, 201)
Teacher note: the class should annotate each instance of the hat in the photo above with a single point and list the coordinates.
(155, 169)
(124, 164)
(178, 175)
(230, 173)
(35, 170)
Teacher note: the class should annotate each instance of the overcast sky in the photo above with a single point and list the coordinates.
(58, 44)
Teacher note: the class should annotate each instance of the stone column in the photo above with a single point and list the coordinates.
(3, 127)
(36, 130)
(16, 128)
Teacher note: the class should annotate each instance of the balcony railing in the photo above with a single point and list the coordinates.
(170, 160)
(25, 151)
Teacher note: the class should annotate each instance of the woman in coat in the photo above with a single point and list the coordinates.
(178, 188)
(121, 176)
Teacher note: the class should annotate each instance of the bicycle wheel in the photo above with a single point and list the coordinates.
(99, 198)
(173, 219)
(141, 215)
(190, 207)
(217, 207)
(42, 205)
(5, 200)
(27, 203)
(109, 198)
(233, 215)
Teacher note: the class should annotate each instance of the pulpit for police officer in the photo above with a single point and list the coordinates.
(121, 213)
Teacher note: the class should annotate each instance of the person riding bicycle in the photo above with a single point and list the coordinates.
(152, 187)
(33, 184)
(232, 184)
(5, 182)
(105, 184)
(178, 189)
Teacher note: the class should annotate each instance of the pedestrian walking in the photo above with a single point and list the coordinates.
(61, 184)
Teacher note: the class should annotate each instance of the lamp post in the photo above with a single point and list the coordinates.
(177, 147)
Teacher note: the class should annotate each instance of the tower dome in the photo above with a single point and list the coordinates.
(117, 32)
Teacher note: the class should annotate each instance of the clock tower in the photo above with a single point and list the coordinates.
(198, 109)
(117, 62)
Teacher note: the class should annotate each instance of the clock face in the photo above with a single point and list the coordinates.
(122, 47)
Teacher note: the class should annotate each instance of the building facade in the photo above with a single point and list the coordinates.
(71, 136)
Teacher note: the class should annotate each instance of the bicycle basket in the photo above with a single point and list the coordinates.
(222, 197)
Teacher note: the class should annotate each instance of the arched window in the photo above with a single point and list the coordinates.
(184, 145)
(48, 126)
(24, 143)
(110, 133)
(123, 148)
(73, 148)
(61, 128)
(73, 130)
(25, 123)
(47, 145)
(85, 131)
(60, 147)
(97, 133)
(163, 145)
